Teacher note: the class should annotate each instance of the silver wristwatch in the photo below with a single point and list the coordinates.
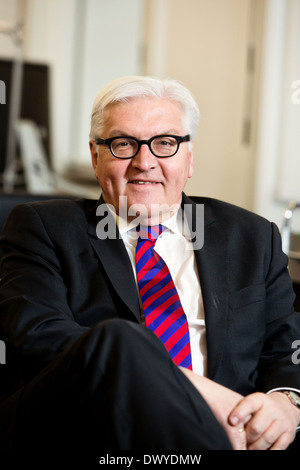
(293, 397)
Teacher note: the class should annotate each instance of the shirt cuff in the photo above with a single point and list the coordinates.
(282, 389)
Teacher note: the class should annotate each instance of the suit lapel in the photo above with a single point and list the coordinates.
(212, 266)
(113, 256)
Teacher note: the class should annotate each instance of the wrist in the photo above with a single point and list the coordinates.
(293, 397)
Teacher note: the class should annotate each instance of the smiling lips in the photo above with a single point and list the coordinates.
(143, 182)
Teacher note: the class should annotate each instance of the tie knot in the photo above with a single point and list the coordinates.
(151, 233)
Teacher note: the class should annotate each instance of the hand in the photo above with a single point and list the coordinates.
(222, 401)
(273, 420)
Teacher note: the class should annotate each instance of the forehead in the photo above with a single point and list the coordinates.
(156, 115)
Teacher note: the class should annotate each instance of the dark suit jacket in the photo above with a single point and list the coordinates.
(59, 279)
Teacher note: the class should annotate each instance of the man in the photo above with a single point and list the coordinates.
(83, 367)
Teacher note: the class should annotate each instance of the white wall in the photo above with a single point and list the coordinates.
(288, 175)
(49, 34)
(278, 151)
(9, 13)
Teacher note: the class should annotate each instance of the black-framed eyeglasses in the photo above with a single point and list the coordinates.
(162, 146)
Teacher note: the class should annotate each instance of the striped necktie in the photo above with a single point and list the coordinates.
(163, 311)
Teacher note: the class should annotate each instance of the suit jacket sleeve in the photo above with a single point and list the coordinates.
(35, 318)
(276, 367)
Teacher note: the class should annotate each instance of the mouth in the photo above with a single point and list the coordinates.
(141, 182)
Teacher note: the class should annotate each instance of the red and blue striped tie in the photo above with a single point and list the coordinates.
(163, 311)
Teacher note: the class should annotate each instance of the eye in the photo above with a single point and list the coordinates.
(121, 143)
(166, 142)
(124, 147)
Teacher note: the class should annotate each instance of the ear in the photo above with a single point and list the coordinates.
(191, 162)
(94, 154)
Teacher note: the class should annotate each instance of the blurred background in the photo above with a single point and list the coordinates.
(240, 59)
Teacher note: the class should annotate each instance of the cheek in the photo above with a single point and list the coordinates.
(111, 174)
(178, 175)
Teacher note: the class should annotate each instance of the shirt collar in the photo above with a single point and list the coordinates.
(173, 223)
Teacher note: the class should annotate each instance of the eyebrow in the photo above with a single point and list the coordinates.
(118, 132)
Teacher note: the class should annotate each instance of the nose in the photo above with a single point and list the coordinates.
(144, 159)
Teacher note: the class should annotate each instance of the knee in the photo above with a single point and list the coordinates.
(116, 341)
(112, 335)
(106, 342)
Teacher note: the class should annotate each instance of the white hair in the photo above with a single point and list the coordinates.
(125, 88)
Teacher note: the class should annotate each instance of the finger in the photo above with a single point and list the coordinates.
(238, 438)
(256, 429)
(245, 409)
(259, 438)
(273, 439)
(282, 443)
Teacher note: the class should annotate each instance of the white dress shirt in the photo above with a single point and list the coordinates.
(177, 252)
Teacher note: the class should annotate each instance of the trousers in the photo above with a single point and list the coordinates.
(115, 388)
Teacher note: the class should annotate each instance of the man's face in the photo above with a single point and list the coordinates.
(144, 180)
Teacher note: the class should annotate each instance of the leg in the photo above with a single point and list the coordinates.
(116, 388)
